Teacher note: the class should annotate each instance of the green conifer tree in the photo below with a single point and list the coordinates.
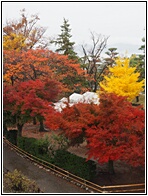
(66, 47)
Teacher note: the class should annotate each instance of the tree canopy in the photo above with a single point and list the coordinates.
(29, 99)
(123, 80)
(119, 134)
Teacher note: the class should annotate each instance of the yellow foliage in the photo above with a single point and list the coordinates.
(123, 80)
(13, 42)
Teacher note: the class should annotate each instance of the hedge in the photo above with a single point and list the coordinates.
(75, 164)
(63, 159)
(11, 135)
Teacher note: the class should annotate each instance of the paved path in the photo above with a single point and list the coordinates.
(47, 182)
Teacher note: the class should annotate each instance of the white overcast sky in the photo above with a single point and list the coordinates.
(124, 22)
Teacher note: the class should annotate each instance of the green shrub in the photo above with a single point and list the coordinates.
(11, 135)
(74, 164)
(16, 182)
(42, 145)
(57, 142)
(38, 148)
(28, 145)
(62, 158)
(46, 158)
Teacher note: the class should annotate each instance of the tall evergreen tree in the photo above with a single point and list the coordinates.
(66, 47)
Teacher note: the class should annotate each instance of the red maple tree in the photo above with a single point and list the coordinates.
(29, 99)
(119, 134)
(73, 121)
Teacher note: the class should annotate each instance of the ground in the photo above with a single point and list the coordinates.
(124, 174)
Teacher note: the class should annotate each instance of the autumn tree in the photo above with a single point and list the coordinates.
(24, 34)
(29, 99)
(73, 121)
(25, 65)
(119, 133)
(123, 80)
(66, 46)
(91, 61)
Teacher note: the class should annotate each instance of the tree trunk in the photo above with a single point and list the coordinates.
(95, 87)
(41, 129)
(34, 120)
(19, 128)
(12, 80)
(137, 98)
(111, 167)
(5, 131)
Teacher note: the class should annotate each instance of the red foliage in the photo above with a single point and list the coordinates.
(119, 134)
(74, 120)
(67, 71)
(31, 98)
(114, 129)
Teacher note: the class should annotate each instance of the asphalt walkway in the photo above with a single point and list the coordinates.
(47, 182)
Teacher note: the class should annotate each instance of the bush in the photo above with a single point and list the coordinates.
(57, 142)
(74, 164)
(38, 148)
(42, 145)
(11, 135)
(62, 158)
(16, 182)
(28, 145)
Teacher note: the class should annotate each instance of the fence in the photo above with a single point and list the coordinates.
(89, 186)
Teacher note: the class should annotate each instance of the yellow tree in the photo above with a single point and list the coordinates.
(13, 42)
(24, 34)
(123, 80)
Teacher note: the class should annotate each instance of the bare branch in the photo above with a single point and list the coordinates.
(92, 56)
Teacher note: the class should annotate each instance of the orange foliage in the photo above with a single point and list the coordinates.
(24, 65)
(41, 64)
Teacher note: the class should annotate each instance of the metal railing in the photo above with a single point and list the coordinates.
(85, 184)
